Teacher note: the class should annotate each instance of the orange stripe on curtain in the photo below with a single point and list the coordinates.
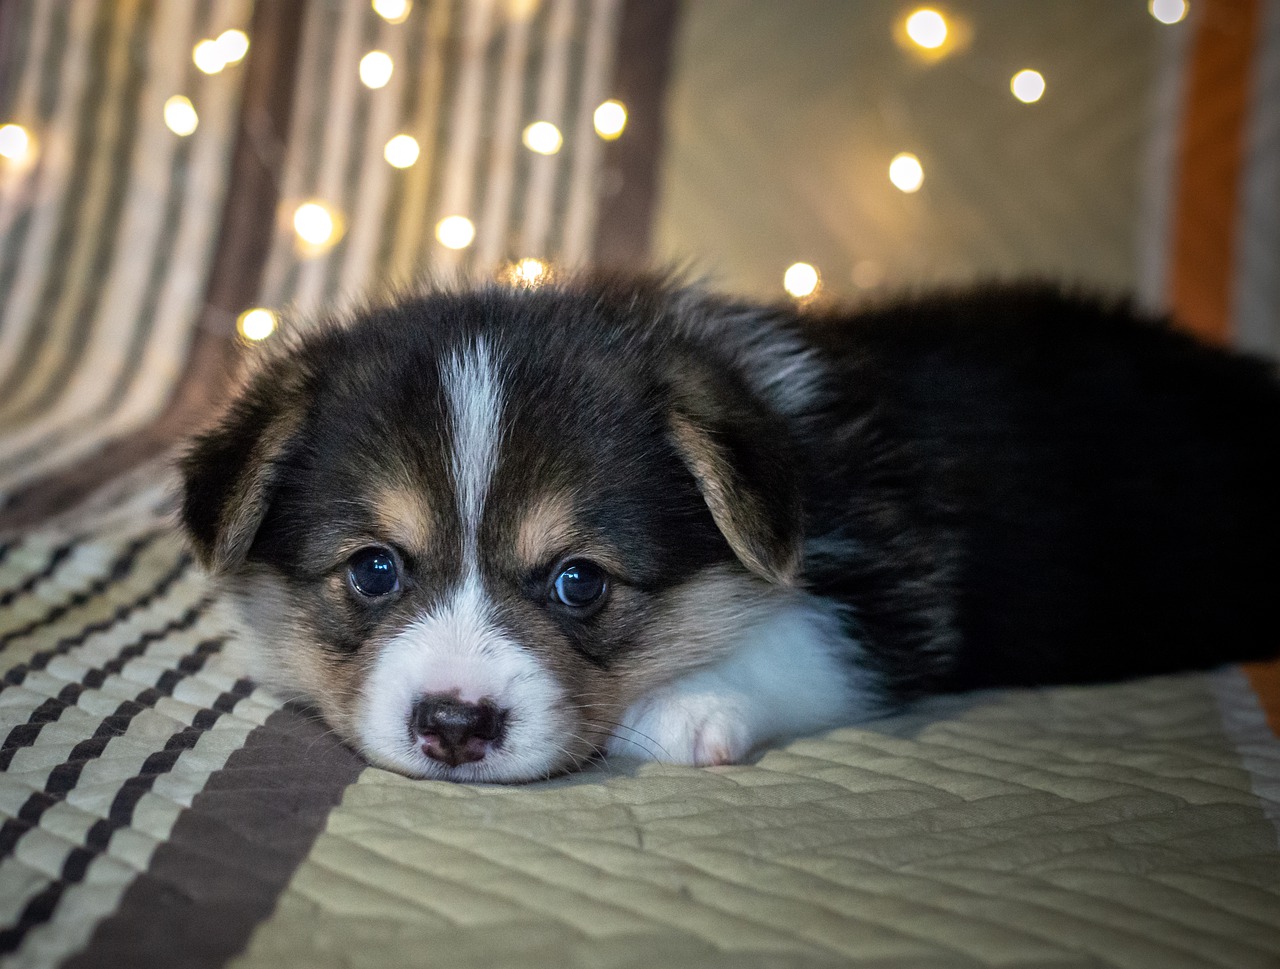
(1265, 680)
(1211, 154)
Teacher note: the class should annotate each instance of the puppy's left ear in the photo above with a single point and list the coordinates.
(740, 455)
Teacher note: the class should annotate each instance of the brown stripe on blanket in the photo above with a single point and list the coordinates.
(231, 854)
(233, 282)
(630, 176)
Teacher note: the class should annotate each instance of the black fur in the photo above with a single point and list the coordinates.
(1006, 486)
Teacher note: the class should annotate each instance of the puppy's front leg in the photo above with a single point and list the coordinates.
(792, 674)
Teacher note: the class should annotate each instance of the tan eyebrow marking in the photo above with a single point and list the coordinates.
(404, 516)
(546, 529)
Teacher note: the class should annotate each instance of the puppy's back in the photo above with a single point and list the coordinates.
(1105, 488)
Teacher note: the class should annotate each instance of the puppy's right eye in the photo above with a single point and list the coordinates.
(373, 572)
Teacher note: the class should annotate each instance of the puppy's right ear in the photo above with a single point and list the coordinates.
(231, 472)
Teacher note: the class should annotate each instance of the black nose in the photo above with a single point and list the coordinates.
(454, 732)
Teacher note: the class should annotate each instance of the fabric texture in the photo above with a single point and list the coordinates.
(160, 811)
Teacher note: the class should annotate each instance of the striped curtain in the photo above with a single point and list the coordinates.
(107, 236)
(127, 251)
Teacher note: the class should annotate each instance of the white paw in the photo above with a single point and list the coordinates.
(681, 724)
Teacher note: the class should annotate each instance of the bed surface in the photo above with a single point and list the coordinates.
(161, 811)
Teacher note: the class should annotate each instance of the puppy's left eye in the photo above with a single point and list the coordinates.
(373, 572)
(580, 585)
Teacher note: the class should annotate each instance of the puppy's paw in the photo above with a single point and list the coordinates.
(681, 724)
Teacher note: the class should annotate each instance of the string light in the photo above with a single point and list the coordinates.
(800, 280)
(927, 28)
(232, 45)
(14, 142)
(316, 224)
(529, 271)
(1027, 86)
(455, 231)
(208, 56)
(610, 118)
(1168, 11)
(401, 151)
(543, 137)
(180, 115)
(393, 11)
(375, 69)
(256, 324)
(906, 172)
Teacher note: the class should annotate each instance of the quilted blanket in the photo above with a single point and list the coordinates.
(159, 810)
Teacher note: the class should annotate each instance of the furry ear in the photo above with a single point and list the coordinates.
(739, 453)
(231, 471)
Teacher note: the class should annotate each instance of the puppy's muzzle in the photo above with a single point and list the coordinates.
(454, 732)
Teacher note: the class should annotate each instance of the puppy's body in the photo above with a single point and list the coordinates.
(491, 534)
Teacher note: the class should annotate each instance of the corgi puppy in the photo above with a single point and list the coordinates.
(491, 534)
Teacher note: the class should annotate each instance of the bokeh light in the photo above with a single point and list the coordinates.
(610, 118)
(401, 151)
(316, 224)
(906, 172)
(208, 57)
(232, 45)
(800, 280)
(1027, 86)
(1169, 11)
(455, 231)
(15, 142)
(375, 69)
(543, 137)
(180, 115)
(393, 11)
(256, 324)
(927, 28)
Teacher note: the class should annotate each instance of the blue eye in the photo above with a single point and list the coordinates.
(580, 585)
(372, 572)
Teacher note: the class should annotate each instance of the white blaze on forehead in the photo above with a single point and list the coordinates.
(458, 650)
(474, 394)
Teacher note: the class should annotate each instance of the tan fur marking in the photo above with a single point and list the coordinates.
(403, 516)
(737, 513)
(545, 531)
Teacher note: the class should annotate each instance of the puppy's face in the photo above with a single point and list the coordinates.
(474, 529)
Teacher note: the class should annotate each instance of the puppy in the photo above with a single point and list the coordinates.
(492, 534)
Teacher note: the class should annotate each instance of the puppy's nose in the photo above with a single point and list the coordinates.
(454, 732)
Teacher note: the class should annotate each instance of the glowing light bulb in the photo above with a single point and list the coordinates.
(14, 142)
(232, 45)
(906, 172)
(543, 137)
(455, 231)
(928, 28)
(315, 224)
(1027, 86)
(256, 324)
(393, 11)
(610, 118)
(529, 271)
(375, 69)
(401, 151)
(208, 56)
(800, 280)
(1168, 11)
(180, 115)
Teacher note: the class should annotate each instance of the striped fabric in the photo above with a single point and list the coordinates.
(468, 77)
(107, 239)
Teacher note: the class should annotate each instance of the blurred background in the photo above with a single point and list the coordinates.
(181, 180)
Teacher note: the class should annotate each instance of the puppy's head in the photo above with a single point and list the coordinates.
(473, 528)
